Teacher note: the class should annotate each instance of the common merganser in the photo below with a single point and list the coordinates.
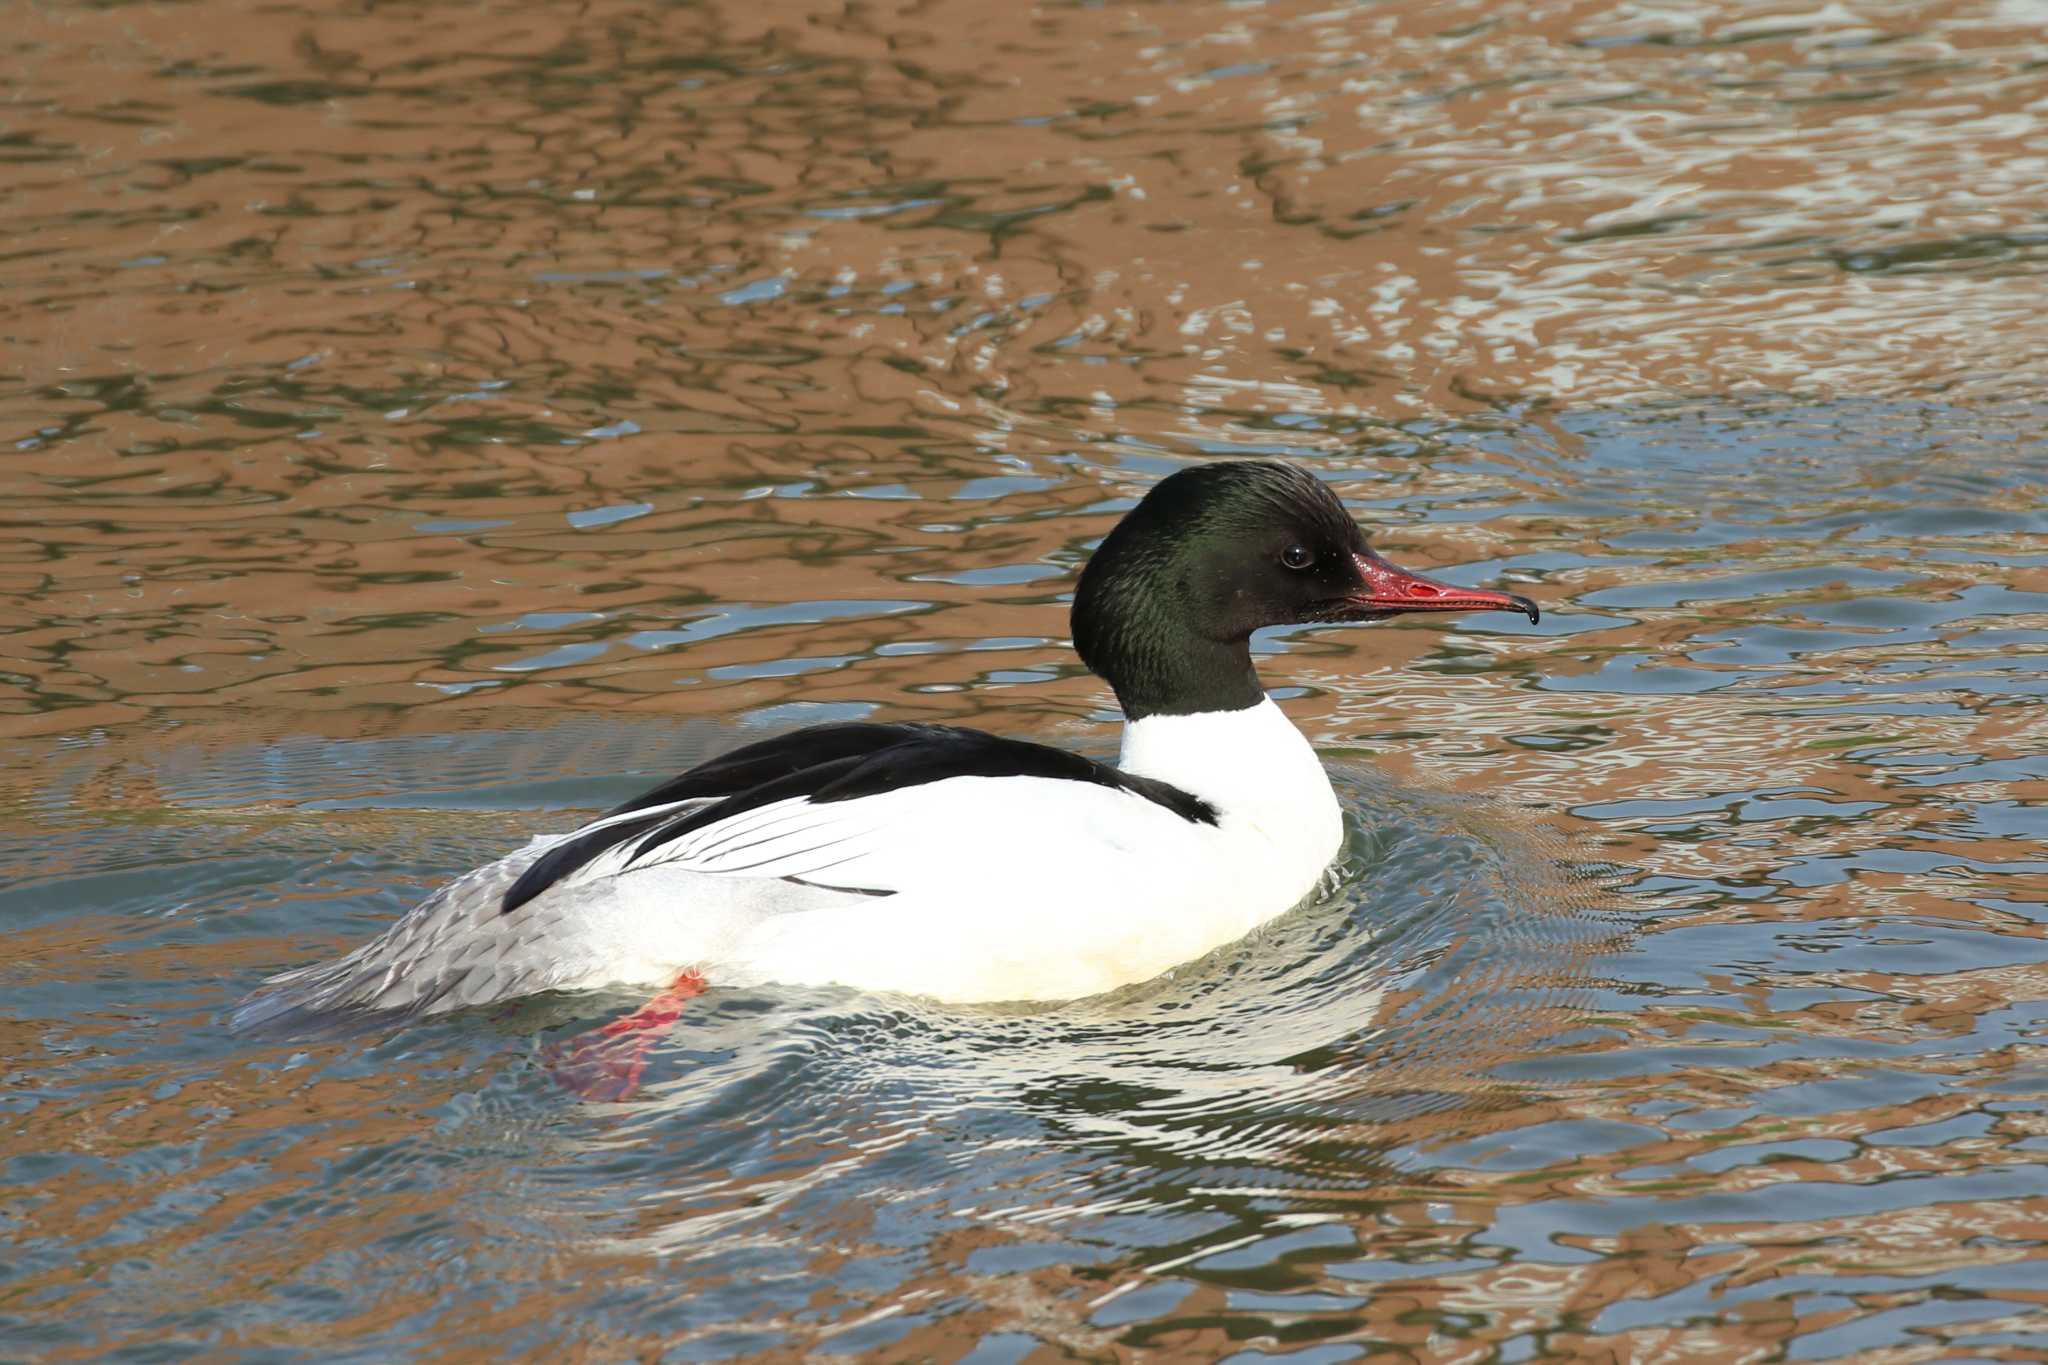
(946, 862)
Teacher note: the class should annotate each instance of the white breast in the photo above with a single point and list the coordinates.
(1255, 768)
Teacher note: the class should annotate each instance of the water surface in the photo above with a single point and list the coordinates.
(426, 425)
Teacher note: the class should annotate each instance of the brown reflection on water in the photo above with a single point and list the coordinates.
(284, 281)
(1187, 208)
(427, 372)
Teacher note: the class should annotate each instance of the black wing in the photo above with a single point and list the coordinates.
(767, 760)
(830, 763)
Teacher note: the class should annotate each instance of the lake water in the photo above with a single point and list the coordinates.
(426, 424)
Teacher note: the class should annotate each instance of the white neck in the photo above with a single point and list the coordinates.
(1251, 763)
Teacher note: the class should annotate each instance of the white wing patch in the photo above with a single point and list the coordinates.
(967, 839)
(793, 838)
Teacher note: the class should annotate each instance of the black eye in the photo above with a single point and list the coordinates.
(1297, 556)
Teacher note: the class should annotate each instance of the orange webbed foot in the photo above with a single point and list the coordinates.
(605, 1064)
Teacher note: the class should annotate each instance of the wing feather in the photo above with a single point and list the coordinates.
(780, 803)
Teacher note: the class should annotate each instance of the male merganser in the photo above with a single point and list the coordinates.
(947, 862)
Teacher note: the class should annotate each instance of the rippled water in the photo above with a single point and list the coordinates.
(427, 424)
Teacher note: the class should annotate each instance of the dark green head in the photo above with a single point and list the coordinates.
(1166, 606)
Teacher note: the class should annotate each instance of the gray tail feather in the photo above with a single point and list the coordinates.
(278, 1014)
(331, 999)
(444, 954)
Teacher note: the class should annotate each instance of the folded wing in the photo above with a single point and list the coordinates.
(790, 807)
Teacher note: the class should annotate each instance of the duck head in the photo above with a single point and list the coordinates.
(1166, 606)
